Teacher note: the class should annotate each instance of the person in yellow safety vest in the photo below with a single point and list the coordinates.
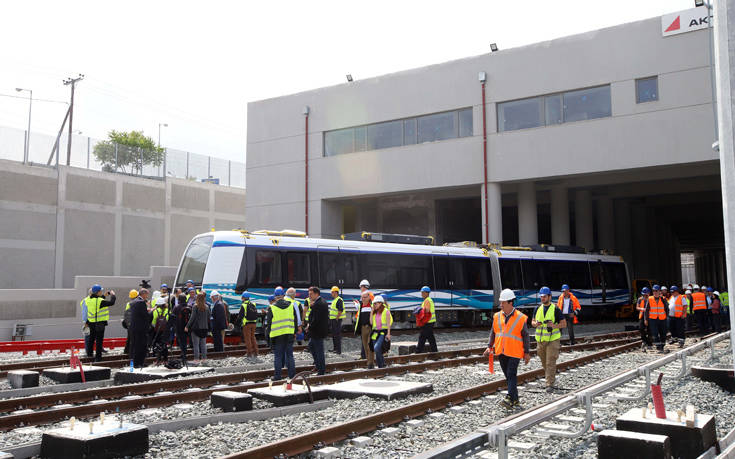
(249, 316)
(677, 315)
(699, 307)
(284, 320)
(548, 322)
(510, 341)
(427, 330)
(126, 320)
(380, 321)
(690, 313)
(191, 291)
(291, 296)
(98, 313)
(655, 316)
(336, 314)
(642, 325)
(160, 323)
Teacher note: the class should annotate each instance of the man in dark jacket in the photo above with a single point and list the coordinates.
(318, 328)
(182, 313)
(140, 323)
(219, 324)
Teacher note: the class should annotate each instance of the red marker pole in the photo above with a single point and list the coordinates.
(491, 362)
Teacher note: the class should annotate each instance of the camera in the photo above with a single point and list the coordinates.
(145, 284)
(548, 326)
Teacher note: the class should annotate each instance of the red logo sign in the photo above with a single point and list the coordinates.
(676, 25)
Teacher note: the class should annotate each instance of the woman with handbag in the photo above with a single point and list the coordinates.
(199, 326)
(381, 321)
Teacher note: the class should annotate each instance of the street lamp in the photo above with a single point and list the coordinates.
(493, 47)
(28, 132)
(349, 78)
(698, 3)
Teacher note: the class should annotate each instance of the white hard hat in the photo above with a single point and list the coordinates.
(364, 283)
(378, 299)
(214, 293)
(156, 295)
(688, 292)
(160, 301)
(507, 295)
(716, 293)
(665, 288)
(696, 287)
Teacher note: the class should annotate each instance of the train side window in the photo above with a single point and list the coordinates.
(478, 274)
(510, 274)
(441, 272)
(579, 276)
(328, 268)
(533, 275)
(298, 269)
(268, 268)
(458, 273)
(350, 269)
(415, 271)
(615, 276)
(382, 269)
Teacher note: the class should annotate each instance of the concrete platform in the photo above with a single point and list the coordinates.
(67, 375)
(20, 379)
(228, 400)
(686, 442)
(614, 444)
(377, 388)
(723, 377)
(277, 396)
(108, 440)
(152, 373)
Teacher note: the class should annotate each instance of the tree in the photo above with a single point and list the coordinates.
(134, 150)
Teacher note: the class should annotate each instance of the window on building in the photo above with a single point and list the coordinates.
(553, 109)
(520, 114)
(339, 142)
(385, 135)
(646, 90)
(587, 104)
(361, 138)
(440, 126)
(465, 122)
(409, 131)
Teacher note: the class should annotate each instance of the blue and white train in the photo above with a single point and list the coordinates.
(463, 280)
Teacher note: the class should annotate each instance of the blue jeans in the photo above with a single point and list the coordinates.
(316, 346)
(510, 370)
(283, 353)
(378, 348)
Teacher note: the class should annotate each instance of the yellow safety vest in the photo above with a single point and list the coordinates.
(156, 313)
(245, 321)
(335, 313)
(386, 319)
(431, 308)
(94, 312)
(283, 321)
(307, 310)
(542, 334)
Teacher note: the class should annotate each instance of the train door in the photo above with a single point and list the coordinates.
(338, 266)
(599, 282)
(451, 279)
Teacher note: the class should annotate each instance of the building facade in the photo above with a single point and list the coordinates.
(600, 140)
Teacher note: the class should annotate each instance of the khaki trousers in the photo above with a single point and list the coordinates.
(548, 352)
(365, 332)
(248, 331)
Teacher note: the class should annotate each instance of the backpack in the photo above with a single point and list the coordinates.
(162, 323)
(252, 311)
(174, 364)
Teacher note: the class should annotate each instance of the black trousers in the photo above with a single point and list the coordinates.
(645, 332)
(570, 326)
(138, 348)
(427, 333)
(96, 338)
(700, 315)
(181, 339)
(336, 326)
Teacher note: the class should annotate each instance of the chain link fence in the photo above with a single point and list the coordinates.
(102, 155)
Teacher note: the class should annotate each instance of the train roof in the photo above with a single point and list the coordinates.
(236, 237)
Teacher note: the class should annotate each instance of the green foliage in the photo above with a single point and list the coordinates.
(134, 150)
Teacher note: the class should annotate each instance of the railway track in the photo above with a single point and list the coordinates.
(200, 388)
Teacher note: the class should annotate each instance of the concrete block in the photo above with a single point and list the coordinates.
(404, 348)
(614, 444)
(437, 415)
(475, 402)
(183, 406)
(68, 375)
(389, 431)
(297, 394)
(457, 409)
(329, 452)
(723, 377)
(232, 401)
(686, 442)
(522, 446)
(415, 423)
(20, 379)
(154, 373)
(107, 440)
(376, 388)
(361, 442)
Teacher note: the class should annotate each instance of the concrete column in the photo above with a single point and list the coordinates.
(583, 219)
(495, 212)
(527, 214)
(605, 224)
(623, 241)
(560, 216)
(638, 235)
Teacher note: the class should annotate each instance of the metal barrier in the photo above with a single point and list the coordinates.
(61, 345)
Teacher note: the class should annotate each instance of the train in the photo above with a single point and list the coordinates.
(465, 280)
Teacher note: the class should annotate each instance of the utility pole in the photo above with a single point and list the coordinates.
(72, 82)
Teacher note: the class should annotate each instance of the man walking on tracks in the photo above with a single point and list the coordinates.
(509, 340)
(548, 322)
(427, 331)
(569, 306)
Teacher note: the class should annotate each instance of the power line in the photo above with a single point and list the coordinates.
(35, 99)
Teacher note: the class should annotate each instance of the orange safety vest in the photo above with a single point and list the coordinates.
(699, 301)
(678, 306)
(508, 339)
(575, 304)
(657, 308)
(639, 304)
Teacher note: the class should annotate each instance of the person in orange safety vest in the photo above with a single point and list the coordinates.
(569, 306)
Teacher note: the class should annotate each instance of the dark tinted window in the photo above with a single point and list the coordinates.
(195, 260)
(381, 269)
(415, 272)
(349, 270)
(646, 90)
(557, 273)
(268, 268)
(532, 276)
(298, 269)
(615, 275)
(328, 268)
(510, 274)
(458, 274)
(441, 272)
(478, 274)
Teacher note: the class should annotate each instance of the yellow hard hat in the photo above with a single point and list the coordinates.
(335, 289)
(133, 294)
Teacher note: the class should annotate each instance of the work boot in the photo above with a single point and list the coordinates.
(550, 389)
(506, 402)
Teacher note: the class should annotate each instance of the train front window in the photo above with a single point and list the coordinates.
(195, 261)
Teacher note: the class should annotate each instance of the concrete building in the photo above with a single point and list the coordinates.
(601, 140)
(58, 223)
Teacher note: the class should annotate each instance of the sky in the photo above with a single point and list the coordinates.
(196, 65)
